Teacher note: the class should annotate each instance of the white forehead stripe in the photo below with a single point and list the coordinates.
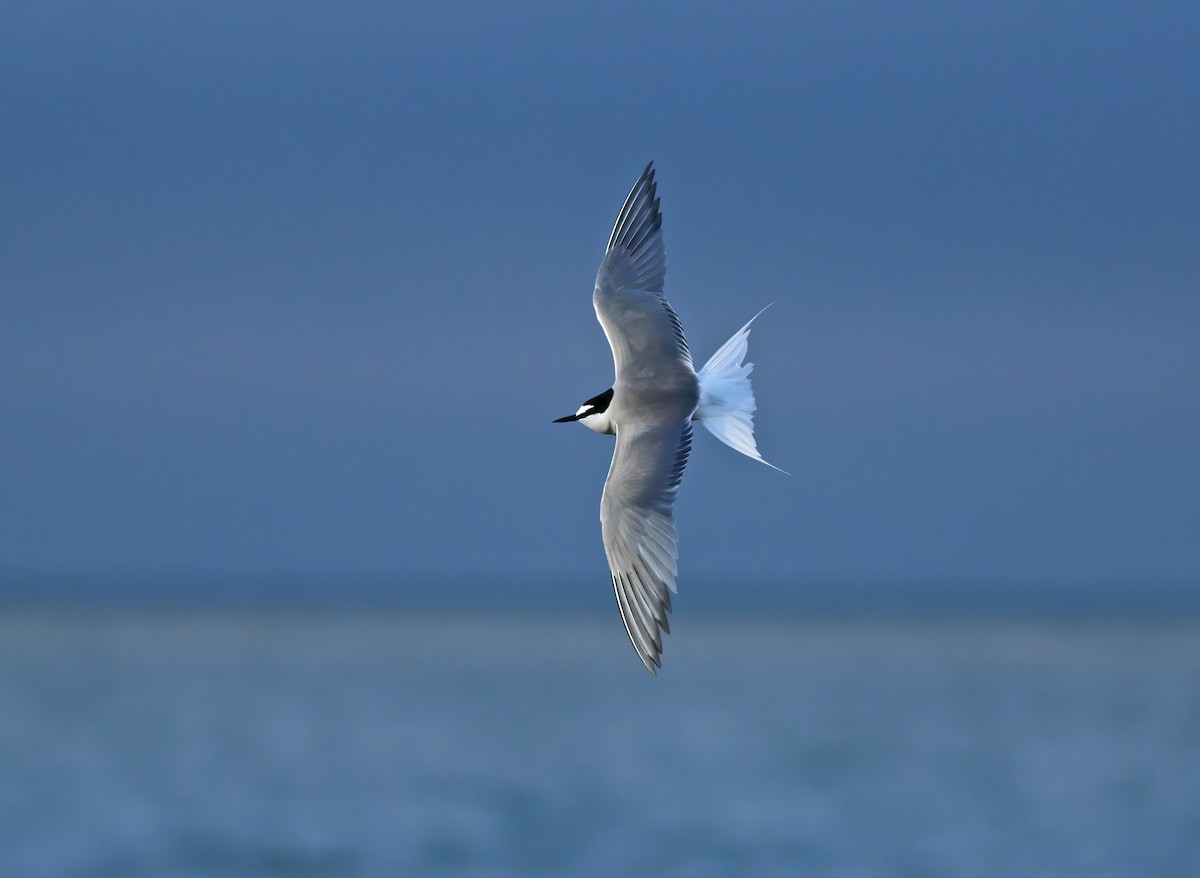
(583, 408)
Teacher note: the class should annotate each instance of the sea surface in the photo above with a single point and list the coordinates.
(356, 743)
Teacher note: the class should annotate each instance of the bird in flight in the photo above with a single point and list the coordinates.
(650, 408)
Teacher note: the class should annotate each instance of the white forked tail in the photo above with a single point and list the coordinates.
(726, 398)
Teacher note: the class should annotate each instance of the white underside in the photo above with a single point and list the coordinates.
(601, 423)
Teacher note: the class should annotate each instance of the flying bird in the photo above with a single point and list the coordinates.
(650, 408)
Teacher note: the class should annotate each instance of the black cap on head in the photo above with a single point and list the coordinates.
(599, 403)
(593, 406)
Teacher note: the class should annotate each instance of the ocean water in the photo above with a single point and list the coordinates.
(394, 744)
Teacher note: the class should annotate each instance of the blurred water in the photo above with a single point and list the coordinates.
(344, 744)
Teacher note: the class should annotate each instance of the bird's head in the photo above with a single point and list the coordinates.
(593, 414)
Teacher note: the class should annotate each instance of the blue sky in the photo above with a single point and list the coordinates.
(296, 289)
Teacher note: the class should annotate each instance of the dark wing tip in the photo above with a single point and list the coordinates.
(642, 199)
(643, 632)
(647, 175)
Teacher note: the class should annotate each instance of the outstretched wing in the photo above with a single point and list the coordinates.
(640, 325)
(639, 527)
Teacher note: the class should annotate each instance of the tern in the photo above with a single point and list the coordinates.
(656, 396)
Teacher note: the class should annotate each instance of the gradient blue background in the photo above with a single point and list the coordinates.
(290, 293)
(294, 290)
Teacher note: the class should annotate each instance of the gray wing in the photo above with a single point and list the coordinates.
(629, 300)
(639, 527)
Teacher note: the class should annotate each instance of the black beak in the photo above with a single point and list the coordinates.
(566, 420)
